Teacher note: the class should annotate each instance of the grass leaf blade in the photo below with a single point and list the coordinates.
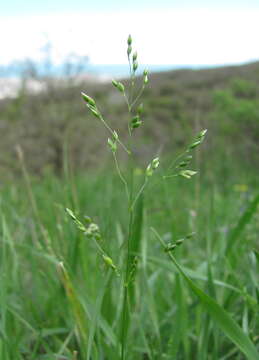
(230, 328)
(243, 221)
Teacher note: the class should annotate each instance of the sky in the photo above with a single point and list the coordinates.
(175, 32)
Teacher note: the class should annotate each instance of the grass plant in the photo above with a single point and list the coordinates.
(134, 199)
(155, 271)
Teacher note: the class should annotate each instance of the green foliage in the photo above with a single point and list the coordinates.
(38, 321)
(244, 89)
(176, 104)
(218, 314)
(96, 288)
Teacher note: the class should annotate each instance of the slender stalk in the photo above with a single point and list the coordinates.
(121, 176)
(127, 101)
(139, 193)
(173, 163)
(112, 132)
(129, 110)
(138, 96)
(125, 309)
(32, 200)
(131, 98)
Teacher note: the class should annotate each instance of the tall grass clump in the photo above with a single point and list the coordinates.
(148, 262)
(108, 328)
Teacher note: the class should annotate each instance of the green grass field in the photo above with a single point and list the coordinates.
(42, 320)
(143, 257)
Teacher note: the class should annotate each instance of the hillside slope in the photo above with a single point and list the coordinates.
(177, 104)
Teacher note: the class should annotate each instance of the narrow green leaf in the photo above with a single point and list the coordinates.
(256, 255)
(243, 221)
(96, 315)
(136, 239)
(137, 228)
(180, 331)
(75, 304)
(230, 328)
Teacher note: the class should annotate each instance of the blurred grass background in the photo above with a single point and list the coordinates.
(54, 124)
(63, 161)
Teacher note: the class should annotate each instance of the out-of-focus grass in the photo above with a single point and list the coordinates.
(178, 104)
(37, 319)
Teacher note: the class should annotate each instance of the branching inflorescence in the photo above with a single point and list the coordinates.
(178, 167)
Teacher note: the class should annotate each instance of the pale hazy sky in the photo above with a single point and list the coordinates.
(164, 32)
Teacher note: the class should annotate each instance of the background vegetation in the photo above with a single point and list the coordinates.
(177, 105)
(62, 161)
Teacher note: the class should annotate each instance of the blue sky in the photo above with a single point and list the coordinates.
(164, 32)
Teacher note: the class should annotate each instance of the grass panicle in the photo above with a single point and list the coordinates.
(75, 287)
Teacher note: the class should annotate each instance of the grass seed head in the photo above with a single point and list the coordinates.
(190, 235)
(120, 87)
(92, 230)
(179, 242)
(115, 135)
(170, 247)
(195, 144)
(87, 220)
(135, 122)
(129, 41)
(88, 99)
(115, 83)
(202, 134)
(71, 214)
(112, 145)
(145, 80)
(187, 173)
(149, 170)
(155, 163)
(135, 65)
(109, 262)
(152, 166)
(94, 111)
(129, 50)
(140, 109)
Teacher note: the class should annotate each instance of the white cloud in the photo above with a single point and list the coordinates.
(183, 36)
